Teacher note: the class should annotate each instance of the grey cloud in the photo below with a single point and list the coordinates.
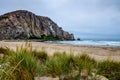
(96, 17)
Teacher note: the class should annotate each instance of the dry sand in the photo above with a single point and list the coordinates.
(99, 53)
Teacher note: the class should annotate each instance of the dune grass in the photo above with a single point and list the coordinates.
(110, 69)
(19, 65)
(25, 64)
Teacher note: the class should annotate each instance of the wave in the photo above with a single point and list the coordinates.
(91, 43)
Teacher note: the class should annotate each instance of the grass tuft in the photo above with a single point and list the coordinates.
(110, 69)
(40, 55)
(4, 51)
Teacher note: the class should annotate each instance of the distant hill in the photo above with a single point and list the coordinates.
(22, 24)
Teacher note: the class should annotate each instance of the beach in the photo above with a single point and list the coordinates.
(97, 52)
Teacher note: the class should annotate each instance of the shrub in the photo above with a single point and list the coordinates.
(46, 37)
(50, 37)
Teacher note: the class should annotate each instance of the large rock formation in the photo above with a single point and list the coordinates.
(23, 24)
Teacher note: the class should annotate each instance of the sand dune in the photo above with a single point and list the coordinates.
(99, 53)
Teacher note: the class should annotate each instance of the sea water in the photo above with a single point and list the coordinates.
(90, 43)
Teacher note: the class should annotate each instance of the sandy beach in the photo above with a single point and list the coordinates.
(99, 53)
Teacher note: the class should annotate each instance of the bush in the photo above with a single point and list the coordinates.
(46, 37)
(50, 37)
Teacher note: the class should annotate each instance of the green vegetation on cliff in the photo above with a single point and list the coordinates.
(46, 38)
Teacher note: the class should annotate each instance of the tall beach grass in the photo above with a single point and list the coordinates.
(26, 63)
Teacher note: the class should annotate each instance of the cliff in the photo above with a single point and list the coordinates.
(23, 24)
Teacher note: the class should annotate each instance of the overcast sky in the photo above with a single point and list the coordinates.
(98, 19)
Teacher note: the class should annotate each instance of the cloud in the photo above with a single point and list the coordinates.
(91, 17)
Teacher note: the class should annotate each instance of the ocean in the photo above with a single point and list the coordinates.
(90, 43)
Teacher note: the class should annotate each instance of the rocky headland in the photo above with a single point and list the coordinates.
(22, 24)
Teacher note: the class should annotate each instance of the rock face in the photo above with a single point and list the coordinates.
(23, 24)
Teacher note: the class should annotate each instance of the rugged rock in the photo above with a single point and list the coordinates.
(23, 24)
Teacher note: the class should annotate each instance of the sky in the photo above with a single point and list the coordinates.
(86, 19)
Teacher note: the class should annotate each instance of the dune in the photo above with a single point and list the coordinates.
(97, 52)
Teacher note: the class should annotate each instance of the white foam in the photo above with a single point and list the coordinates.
(91, 43)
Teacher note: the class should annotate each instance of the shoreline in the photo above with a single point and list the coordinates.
(34, 40)
(84, 45)
(89, 43)
(97, 52)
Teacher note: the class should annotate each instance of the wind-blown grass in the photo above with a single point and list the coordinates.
(21, 65)
(40, 55)
(60, 64)
(110, 69)
(25, 64)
